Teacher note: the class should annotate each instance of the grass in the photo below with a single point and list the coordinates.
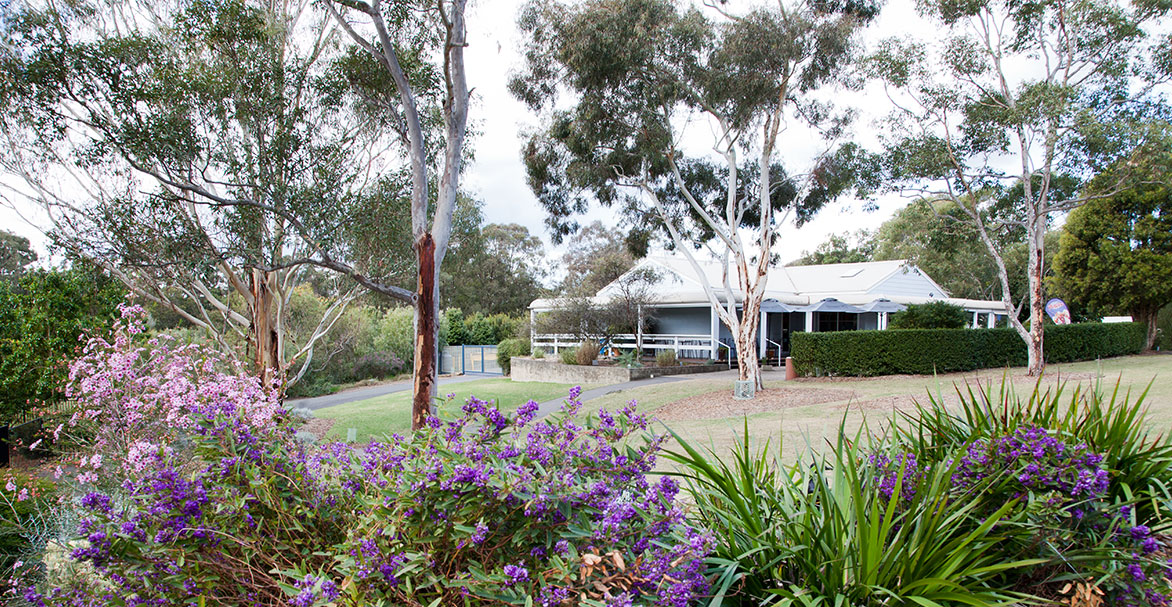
(876, 398)
(374, 417)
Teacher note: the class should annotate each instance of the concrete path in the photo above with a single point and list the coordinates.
(349, 396)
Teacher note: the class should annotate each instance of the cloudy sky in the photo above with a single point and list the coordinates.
(497, 175)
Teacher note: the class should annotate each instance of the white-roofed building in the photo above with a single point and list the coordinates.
(829, 297)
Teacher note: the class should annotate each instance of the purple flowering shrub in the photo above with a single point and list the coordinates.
(1063, 488)
(487, 508)
(499, 509)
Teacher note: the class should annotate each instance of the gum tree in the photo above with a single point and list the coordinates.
(1014, 108)
(204, 154)
(419, 46)
(644, 78)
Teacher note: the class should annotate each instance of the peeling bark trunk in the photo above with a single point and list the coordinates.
(748, 363)
(262, 331)
(1034, 342)
(425, 333)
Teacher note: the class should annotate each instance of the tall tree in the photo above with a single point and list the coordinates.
(596, 255)
(403, 37)
(499, 269)
(203, 153)
(645, 75)
(840, 248)
(16, 254)
(1116, 255)
(1014, 104)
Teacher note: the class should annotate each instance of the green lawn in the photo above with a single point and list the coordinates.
(874, 400)
(374, 417)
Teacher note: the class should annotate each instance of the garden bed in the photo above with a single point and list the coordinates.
(546, 370)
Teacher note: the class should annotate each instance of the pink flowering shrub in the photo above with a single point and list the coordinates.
(206, 499)
(138, 397)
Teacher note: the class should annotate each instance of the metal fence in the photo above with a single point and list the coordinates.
(470, 359)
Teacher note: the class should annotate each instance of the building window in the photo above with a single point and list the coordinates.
(837, 321)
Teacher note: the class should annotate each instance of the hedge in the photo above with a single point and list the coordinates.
(922, 351)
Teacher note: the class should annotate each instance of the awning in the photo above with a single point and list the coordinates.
(830, 304)
(772, 305)
(883, 305)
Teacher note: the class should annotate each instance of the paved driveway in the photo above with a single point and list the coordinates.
(356, 394)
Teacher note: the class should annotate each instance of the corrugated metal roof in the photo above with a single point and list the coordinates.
(851, 283)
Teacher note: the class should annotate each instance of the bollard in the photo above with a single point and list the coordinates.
(790, 371)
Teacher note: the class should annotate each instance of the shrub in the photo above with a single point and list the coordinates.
(1109, 423)
(666, 358)
(932, 315)
(629, 359)
(378, 365)
(485, 509)
(42, 316)
(509, 348)
(457, 334)
(867, 353)
(569, 356)
(586, 353)
(827, 531)
(396, 333)
(538, 353)
(25, 503)
(1023, 511)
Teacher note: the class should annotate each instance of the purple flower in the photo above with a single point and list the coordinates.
(517, 574)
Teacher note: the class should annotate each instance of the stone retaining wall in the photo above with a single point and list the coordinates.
(553, 371)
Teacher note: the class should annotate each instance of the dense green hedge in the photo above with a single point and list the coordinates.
(867, 353)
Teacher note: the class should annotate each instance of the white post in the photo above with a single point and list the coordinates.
(810, 322)
(714, 331)
(976, 319)
(639, 333)
(761, 333)
(882, 321)
(992, 320)
(532, 326)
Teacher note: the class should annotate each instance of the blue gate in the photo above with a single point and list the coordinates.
(470, 359)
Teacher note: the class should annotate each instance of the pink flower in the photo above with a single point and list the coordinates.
(34, 445)
(23, 495)
(11, 486)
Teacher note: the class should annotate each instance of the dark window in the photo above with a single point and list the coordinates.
(837, 321)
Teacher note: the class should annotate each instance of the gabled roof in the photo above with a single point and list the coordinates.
(842, 277)
(851, 283)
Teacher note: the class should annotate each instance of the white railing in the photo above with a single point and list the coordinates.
(685, 346)
(770, 341)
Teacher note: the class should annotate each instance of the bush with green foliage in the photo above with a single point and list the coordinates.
(924, 351)
(26, 504)
(932, 315)
(509, 348)
(1006, 501)
(568, 356)
(586, 353)
(488, 509)
(823, 530)
(539, 353)
(42, 315)
(629, 359)
(666, 358)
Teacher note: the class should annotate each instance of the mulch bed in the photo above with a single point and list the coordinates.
(721, 404)
(318, 427)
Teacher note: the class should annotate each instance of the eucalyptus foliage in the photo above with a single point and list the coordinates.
(1012, 107)
(643, 75)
